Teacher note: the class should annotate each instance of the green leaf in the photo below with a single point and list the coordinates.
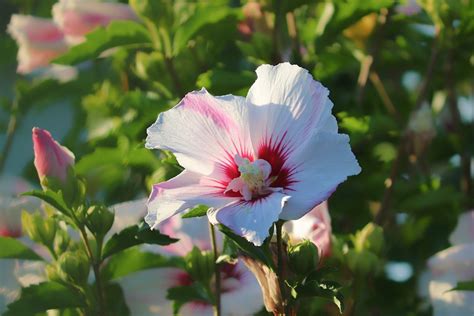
(349, 12)
(291, 5)
(219, 81)
(55, 199)
(11, 248)
(204, 15)
(133, 236)
(149, 236)
(229, 252)
(117, 33)
(115, 300)
(385, 151)
(198, 211)
(464, 286)
(324, 289)
(184, 294)
(133, 260)
(319, 274)
(42, 297)
(261, 253)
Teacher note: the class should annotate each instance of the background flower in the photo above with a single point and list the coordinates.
(452, 265)
(314, 226)
(11, 206)
(39, 40)
(76, 18)
(145, 291)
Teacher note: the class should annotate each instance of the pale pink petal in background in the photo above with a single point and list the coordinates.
(39, 41)
(76, 18)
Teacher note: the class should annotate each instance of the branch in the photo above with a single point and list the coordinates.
(382, 214)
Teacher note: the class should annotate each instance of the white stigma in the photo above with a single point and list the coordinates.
(253, 180)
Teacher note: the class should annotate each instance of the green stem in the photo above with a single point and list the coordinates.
(466, 184)
(11, 130)
(95, 262)
(217, 306)
(276, 36)
(383, 214)
(174, 76)
(280, 266)
(52, 252)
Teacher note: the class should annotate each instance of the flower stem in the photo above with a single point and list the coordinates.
(466, 184)
(11, 130)
(169, 63)
(280, 266)
(217, 305)
(276, 36)
(95, 262)
(383, 214)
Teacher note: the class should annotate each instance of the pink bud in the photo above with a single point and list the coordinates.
(77, 17)
(315, 226)
(51, 159)
(39, 41)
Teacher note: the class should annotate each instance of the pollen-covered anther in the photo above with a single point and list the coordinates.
(254, 179)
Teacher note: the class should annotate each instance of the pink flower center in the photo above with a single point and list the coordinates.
(8, 232)
(254, 179)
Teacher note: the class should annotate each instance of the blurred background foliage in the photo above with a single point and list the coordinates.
(401, 82)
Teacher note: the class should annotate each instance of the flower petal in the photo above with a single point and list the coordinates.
(464, 231)
(141, 299)
(446, 268)
(176, 195)
(127, 214)
(316, 171)
(191, 232)
(457, 259)
(204, 132)
(286, 94)
(246, 296)
(77, 18)
(250, 219)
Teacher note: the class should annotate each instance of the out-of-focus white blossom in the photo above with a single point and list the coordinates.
(450, 266)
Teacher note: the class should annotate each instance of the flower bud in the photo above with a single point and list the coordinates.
(51, 159)
(363, 262)
(303, 257)
(255, 20)
(200, 265)
(39, 228)
(268, 281)
(74, 267)
(99, 219)
(369, 238)
(421, 129)
(52, 272)
(62, 241)
(314, 226)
